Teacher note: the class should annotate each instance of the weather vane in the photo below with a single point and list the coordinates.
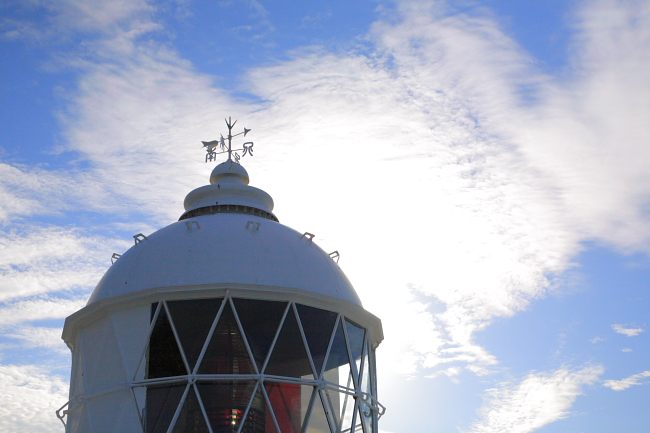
(227, 148)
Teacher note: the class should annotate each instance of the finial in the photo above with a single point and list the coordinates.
(211, 145)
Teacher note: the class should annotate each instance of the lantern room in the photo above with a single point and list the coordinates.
(224, 321)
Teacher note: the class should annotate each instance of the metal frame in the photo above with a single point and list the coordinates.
(319, 385)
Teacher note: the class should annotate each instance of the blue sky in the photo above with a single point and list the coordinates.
(482, 167)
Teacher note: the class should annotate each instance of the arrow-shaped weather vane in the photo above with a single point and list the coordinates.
(210, 146)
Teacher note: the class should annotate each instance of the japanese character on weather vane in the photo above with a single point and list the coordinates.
(210, 146)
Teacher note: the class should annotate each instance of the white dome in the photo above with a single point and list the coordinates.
(212, 245)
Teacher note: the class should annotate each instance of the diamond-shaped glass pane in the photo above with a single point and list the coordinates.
(318, 326)
(367, 374)
(226, 352)
(318, 419)
(192, 320)
(356, 337)
(225, 403)
(259, 418)
(290, 402)
(162, 402)
(337, 367)
(356, 422)
(260, 321)
(191, 418)
(365, 415)
(163, 356)
(341, 407)
(366, 385)
(289, 357)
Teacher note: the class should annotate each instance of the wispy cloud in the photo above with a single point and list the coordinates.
(49, 259)
(39, 337)
(630, 332)
(620, 385)
(42, 307)
(57, 21)
(29, 395)
(538, 400)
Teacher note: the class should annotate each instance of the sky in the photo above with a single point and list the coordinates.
(480, 165)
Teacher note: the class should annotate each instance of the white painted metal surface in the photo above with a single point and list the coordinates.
(225, 249)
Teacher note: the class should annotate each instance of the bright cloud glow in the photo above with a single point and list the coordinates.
(630, 332)
(623, 384)
(539, 399)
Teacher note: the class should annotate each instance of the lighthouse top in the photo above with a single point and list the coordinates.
(228, 236)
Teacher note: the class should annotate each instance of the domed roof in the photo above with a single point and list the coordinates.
(227, 235)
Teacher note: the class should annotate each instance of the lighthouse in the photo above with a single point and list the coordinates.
(225, 321)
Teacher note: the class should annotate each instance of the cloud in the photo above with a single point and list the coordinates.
(432, 165)
(37, 308)
(620, 385)
(29, 397)
(590, 131)
(97, 15)
(453, 176)
(39, 337)
(538, 400)
(49, 259)
(630, 332)
(58, 21)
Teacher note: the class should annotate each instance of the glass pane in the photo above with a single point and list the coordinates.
(365, 414)
(363, 421)
(163, 357)
(259, 418)
(337, 367)
(225, 403)
(356, 423)
(290, 402)
(341, 407)
(260, 321)
(356, 336)
(318, 326)
(365, 384)
(162, 402)
(191, 419)
(289, 357)
(318, 420)
(226, 353)
(192, 321)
